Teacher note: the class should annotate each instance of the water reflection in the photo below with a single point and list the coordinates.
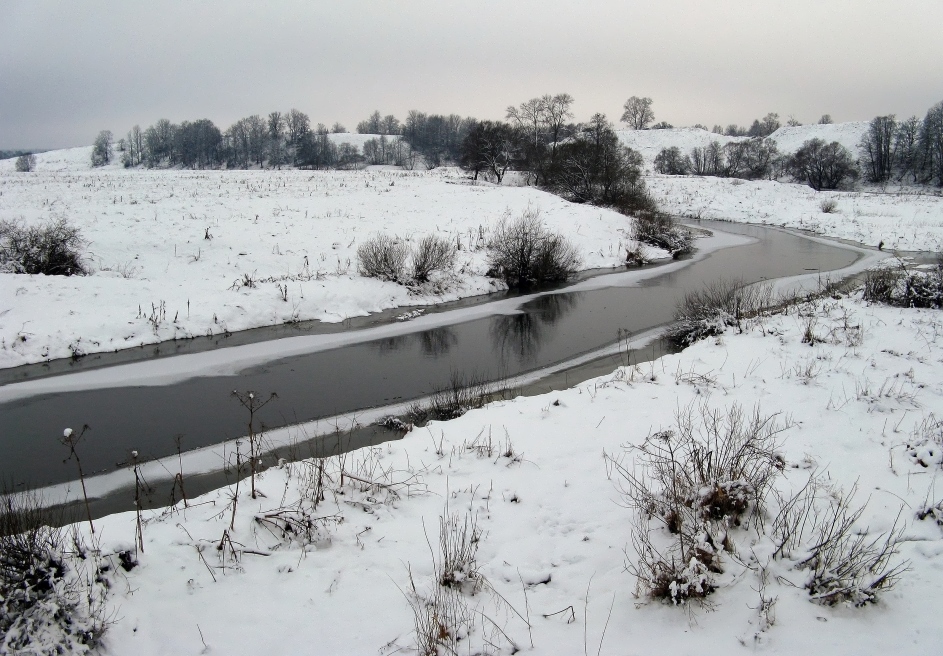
(519, 336)
(388, 345)
(437, 341)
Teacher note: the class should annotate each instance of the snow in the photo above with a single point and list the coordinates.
(552, 519)
(788, 139)
(179, 254)
(909, 220)
(651, 142)
(859, 405)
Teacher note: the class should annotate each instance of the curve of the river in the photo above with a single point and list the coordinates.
(143, 406)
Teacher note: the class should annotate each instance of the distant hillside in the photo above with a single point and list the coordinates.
(650, 142)
(80, 158)
(10, 154)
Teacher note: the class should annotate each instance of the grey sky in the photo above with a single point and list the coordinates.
(70, 69)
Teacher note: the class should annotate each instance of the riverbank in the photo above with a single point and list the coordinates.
(177, 254)
(855, 404)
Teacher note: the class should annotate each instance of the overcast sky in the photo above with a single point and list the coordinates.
(70, 69)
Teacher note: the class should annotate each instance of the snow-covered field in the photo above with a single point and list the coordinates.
(905, 218)
(857, 404)
(555, 535)
(178, 254)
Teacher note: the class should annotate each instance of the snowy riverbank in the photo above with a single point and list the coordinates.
(856, 408)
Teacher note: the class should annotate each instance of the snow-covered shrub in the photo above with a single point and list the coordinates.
(25, 163)
(846, 565)
(524, 253)
(47, 606)
(925, 446)
(453, 400)
(383, 257)
(659, 229)
(905, 287)
(829, 206)
(696, 483)
(432, 253)
(51, 248)
(710, 311)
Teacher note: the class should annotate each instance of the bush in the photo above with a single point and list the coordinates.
(524, 253)
(451, 401)
(51, 249)
(822, 165)
(711, 310)
(432, 254)
(905, 287)
(46, 605)
(829, 206)
(382, 257)
(25, 163)
(670, 161)
(659, 229)
(697, 481)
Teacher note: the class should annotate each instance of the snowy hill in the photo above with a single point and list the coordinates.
(650, 142)
(67, 159)
(80, 159)
(847, 134)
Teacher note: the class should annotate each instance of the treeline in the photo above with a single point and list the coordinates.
(909, 151)
(275, 140)
(904, 151)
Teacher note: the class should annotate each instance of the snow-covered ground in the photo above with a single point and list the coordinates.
(788, 139)
(178, 254)
(555, 535)
(908, 220)
(905, 218)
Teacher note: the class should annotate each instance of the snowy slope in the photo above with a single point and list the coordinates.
(177, 253)
(555, 535)
(788, 139)
(651, 142)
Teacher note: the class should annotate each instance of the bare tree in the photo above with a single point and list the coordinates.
(389, 125)
(26, 163)
(276, 139)
(876, 148)
(826, 119)
(638, 113)
(257, 138)
(338, 128)
(822, 165)
(101, 150)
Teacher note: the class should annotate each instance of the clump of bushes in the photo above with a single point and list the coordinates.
(385, 257)
(822, 165)
(905, 287)
(697, 481)
(451, 401)
(25, 163)
(47, 606)
(699, 487)
(660, 230)
(710, 311)
(525, 254)
(829, 206)
(52, 248)
(432, 254)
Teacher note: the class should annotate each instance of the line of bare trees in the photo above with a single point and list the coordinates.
(910, 150)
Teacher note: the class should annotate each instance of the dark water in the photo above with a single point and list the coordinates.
(552, 328)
